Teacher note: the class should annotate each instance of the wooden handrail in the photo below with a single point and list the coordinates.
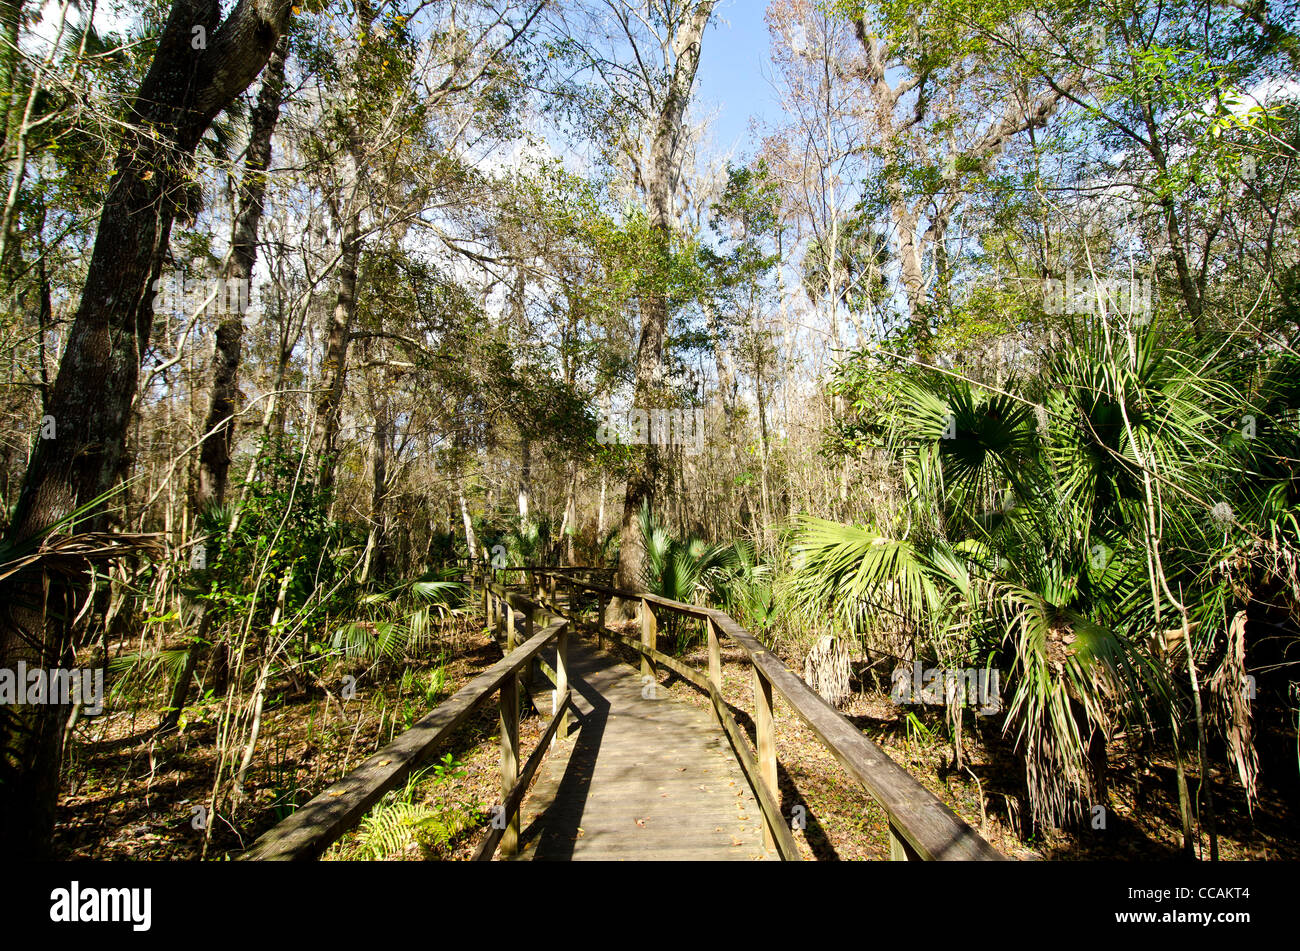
(920, 825)
(313, 828)
(516, 797)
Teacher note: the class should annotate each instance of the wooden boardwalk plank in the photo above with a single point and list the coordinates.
(638, 779)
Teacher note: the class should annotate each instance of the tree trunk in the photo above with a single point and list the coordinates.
(219, 429)
(183, 91)
(338, 336)
(525, 476)
(467, 521)
(909, 266)
(376, 563)
(600, 512)
(660, 188)
(765, 493)
(571, 512)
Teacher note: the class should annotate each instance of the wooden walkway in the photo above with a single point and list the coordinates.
(643, 776)
(635, 772)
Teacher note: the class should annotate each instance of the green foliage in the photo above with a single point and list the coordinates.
(690, 569)
(856, 265)
(402, 823)
(1027, 535)
(286, 541)
(743, 586)
(518, 542)
(136, 675)
(398, 622)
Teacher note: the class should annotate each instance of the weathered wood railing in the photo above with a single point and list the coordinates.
(920, 825)
(312, 829)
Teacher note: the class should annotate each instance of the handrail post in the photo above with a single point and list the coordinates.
(600, 620)
(899, 849)
(561, 683)
(649, 638)
(533, 667)
(509, 723)
(510, 626)
(764, 726)
(512, 641)
(715, 657)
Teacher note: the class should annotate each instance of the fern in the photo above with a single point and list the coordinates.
(399, 825)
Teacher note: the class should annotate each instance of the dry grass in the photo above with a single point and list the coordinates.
(129, 795)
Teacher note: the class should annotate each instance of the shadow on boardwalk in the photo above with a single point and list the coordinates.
(645, 777)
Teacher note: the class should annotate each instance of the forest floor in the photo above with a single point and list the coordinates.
(130, 795)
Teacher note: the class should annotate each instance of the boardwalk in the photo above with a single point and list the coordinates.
(641, 774)
(639, 778)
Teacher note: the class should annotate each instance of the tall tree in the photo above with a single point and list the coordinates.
(647, 54)
(921, 81)
(219, 427)
(202, 62)
(395, 91)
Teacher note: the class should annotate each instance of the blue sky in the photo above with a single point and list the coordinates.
(732, 77)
